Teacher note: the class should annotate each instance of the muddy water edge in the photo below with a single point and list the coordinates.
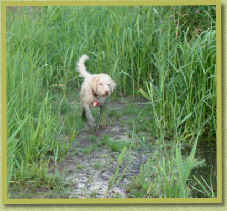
(206, 150)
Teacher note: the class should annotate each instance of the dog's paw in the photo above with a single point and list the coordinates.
(91, 128)
(91, 124)
(103, 126)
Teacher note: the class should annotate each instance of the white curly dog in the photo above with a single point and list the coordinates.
(94, 91)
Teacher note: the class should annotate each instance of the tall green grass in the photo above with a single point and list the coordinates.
(183, 97)
(184, 92)
(143, 49)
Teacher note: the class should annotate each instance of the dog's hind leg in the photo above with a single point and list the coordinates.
(83, 113)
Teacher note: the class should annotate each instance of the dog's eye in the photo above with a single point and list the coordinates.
(100, 84)
(108, 84)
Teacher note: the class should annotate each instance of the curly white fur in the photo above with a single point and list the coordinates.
(95, 88)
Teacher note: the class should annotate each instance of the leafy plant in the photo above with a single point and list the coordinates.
(114, 177)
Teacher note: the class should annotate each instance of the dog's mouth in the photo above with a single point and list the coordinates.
(106, 94)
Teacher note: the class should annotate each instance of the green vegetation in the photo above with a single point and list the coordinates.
(166, 55)
(114, 176)
(79, 167)
(97, 165)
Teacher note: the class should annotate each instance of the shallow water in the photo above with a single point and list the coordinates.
(205, 150)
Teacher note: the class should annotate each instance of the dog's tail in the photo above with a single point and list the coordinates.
(81, 67)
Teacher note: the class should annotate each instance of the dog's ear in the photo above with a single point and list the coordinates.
(112, 85)
(93, 82)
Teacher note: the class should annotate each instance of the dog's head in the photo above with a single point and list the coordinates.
(102, 84)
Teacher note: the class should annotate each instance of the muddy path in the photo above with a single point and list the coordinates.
(91, 162)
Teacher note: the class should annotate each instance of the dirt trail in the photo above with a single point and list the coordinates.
(91, 180)
(88, 168)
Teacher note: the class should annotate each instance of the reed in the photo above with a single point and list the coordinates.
(151, 52)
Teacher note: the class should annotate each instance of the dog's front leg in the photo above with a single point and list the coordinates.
(90, 119)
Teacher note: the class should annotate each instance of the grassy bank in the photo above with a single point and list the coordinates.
(165, 54)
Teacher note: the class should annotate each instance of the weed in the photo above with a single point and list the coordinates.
(79, 167)
(116, 146)
(93, 138)
(97, 165)
(114, 177)
(86, 150)
(93, 194)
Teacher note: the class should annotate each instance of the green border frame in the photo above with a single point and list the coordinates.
(4, 4)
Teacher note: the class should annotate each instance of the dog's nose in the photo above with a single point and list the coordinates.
(106, 92)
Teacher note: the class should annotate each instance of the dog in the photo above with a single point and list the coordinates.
(94, 91)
